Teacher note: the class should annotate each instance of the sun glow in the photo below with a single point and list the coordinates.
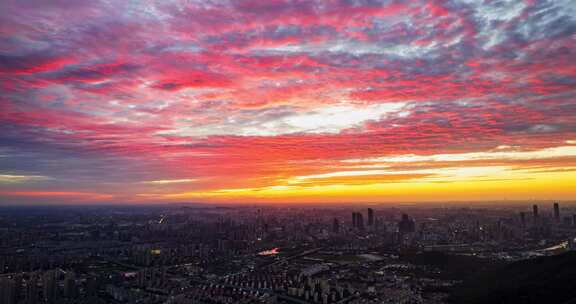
(393, 181)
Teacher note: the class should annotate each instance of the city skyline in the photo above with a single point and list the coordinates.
(284, 255)
(287, 102)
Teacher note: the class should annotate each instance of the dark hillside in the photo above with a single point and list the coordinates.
(542, 280)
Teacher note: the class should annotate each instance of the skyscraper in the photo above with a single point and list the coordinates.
(370, 217)
(535, 212)
(556, 212)
(354, 220)
(360, 219)
(335, 226)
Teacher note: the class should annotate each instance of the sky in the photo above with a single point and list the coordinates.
(287, 101)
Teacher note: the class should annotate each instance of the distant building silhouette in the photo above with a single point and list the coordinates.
(370, 217)
(336, 226)
(523, 219)
(357, 220)
(556, 212)
(406, 225)
(360, 218)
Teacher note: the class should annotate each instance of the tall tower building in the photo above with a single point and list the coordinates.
(354, 220)
(370, 217)
(360, 220)
(556, 212)
(335, 226)
(535, 212)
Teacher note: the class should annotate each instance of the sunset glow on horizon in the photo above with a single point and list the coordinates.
(287, 101)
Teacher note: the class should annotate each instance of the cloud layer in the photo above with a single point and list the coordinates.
(334, 100)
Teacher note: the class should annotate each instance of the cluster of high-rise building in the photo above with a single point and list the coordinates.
(53, 286)
(358, 219)
(258, 255)
(555, 218)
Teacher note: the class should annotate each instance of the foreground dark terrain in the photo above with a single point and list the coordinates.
(541, 280)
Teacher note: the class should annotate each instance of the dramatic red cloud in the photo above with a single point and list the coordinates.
(285, 100)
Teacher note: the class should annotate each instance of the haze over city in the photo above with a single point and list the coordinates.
(286, 101)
